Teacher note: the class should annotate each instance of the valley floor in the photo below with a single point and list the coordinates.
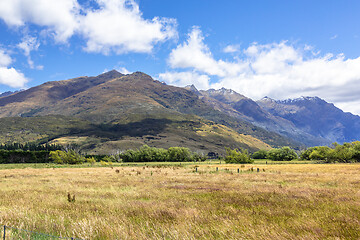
(169, 201)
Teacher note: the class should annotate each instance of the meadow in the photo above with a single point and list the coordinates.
(188, 201)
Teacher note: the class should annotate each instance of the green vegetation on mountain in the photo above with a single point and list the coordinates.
(113, 112)
(195, 133)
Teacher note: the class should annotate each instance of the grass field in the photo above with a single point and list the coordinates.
(169, 201)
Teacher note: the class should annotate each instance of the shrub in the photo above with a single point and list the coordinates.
(237, 156)
(69, 157)
(179, 154)
(196, 157)
(305, 154)
(342, 153)
(282, 154)
(261, 154)
(90, 160)
(108, 159)
(319, 153)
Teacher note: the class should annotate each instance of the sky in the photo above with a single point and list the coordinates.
(280, 49)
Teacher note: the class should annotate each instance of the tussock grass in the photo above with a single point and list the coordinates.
(171, 202)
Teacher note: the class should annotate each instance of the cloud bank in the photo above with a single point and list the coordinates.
(112, 26)
(105, 27)
(118, 26)
(8, 75)
(59, 18)
(278, 70)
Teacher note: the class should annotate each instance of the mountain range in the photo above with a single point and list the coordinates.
(115, 111)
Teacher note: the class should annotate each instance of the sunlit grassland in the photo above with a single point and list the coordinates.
(281, 201)
(116, 164)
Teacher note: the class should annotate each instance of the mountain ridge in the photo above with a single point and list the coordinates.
(281, 116)
(126, 110)
(118, 102)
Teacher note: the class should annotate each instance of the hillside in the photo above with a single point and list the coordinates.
(309, 120)
(114, 111)
(117, 111)
(316, 117)
(243, 108)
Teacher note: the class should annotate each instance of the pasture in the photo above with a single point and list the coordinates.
(169, 201)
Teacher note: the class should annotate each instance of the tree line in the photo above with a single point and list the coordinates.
(276, 154)
(30, 147)
(26, 153)
(345, 153)
(32, 153)
(152, 154)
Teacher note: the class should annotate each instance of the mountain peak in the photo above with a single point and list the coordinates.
(191, 88)
(111, 74)
(224, 95)
(141, 75)
(267, 99)
(223, 91)
(302, 99)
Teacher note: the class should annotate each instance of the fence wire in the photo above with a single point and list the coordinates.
(12, 233)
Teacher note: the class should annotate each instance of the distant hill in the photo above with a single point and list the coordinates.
(8, 93)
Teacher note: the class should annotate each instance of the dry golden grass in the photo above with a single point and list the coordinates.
(148, 202)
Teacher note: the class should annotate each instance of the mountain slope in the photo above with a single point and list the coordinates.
(111, 102)
(243, 108)
(29, 101)
(316, 117)
(120, 111)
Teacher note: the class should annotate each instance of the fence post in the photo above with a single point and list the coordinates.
(4, 232)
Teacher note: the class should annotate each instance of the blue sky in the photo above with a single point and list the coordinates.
(281, 49)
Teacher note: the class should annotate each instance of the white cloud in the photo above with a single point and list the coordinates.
(27, 45)
(195, 54)
(113, 26)
(183, 79)
(10, 76)
(277, 70)
(232, 48)
(118, 26)
(59, 17)
(123, 70)
(5, 59)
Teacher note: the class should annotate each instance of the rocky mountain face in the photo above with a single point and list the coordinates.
(309, 120)
(316, 117)
(244, 108)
